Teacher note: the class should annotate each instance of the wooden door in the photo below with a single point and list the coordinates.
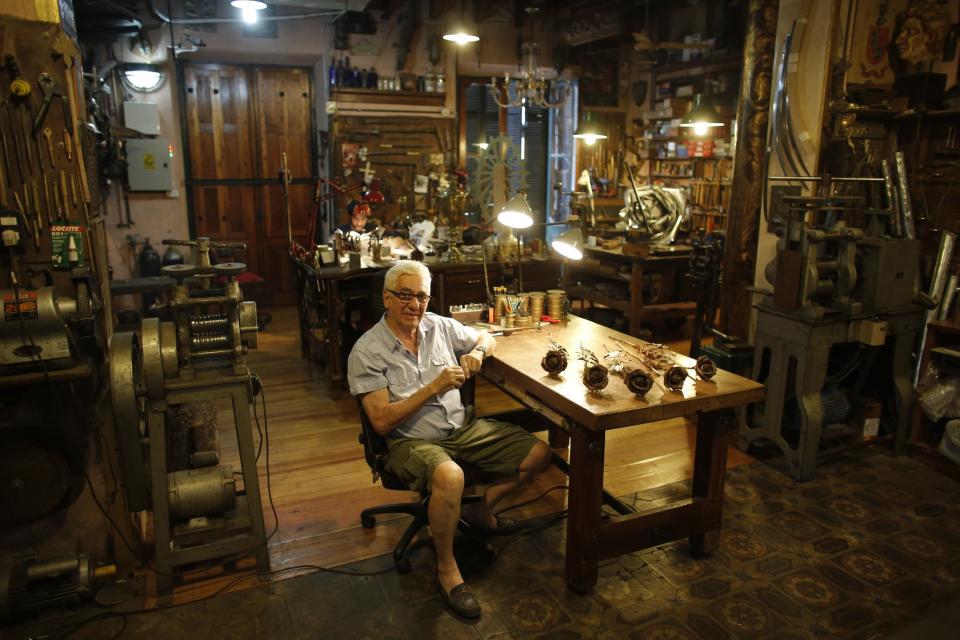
(239, 121)
(219, 110)
(283, 126)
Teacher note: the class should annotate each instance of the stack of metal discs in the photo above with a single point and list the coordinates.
(536, 304)
(556, 299)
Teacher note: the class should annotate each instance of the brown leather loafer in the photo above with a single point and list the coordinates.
(505, 527)
(460, 600)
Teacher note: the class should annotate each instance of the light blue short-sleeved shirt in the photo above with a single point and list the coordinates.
(379, 360)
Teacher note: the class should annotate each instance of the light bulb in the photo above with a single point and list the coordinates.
(249, 15)
(589, 139)
(460, 37)
(700, 128)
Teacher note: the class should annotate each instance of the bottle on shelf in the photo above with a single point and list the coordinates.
(371, 82)
(332, 73)
(347, 72)
(341, 73)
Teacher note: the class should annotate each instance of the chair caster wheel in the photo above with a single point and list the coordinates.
(366, 521)
(402, 565)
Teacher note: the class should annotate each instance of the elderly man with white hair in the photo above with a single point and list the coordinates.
(407, 371)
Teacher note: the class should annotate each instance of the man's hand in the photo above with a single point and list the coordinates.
(449, 378)
(471, 363)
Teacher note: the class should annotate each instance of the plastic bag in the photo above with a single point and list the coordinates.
(937, 400)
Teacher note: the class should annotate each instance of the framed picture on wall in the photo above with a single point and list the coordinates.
(599, 86)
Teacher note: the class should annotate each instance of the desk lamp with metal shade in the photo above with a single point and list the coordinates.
(517, 214)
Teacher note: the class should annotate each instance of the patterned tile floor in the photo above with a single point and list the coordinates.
(865, 549)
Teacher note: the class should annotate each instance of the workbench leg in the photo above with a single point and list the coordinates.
(901, 367)
(709, 472)
(558, 438)
(584, 500)
(810, 377)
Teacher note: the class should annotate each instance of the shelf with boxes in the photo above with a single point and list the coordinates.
(701, 162)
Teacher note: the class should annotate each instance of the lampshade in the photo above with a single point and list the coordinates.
(516, 214)
(589, 130)
(142, 76)
(702, 116)
(569, 244)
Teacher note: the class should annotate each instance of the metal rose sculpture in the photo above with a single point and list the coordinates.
(555, 361)
(595, 375)
(655, 358)
(638, 381)
(705, 368)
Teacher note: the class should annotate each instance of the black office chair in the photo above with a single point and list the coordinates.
(375, 451)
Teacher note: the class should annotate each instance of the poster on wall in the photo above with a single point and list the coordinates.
(873, 33)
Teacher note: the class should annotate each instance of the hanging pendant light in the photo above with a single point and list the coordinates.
(589, 130)
(248, 9)
(702, 116)
(461, 31)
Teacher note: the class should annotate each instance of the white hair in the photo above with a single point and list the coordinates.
(406, 268)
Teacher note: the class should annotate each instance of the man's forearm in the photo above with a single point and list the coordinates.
(394, 413)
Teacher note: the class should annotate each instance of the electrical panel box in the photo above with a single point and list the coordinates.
(148, 165)
(142, 116)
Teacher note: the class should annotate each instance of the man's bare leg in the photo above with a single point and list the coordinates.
(535, 463)
(444, 513)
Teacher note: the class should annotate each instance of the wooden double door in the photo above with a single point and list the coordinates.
(240, 120)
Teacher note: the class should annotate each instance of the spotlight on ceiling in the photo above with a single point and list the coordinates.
(248, 9)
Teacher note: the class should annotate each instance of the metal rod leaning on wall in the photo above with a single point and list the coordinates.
(941, 271)
(906, 207)
(948, 296)
(896, 228)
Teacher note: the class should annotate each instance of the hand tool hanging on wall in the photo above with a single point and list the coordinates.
(18, 152)
(48, 87)
(6, 150)
(23, 118)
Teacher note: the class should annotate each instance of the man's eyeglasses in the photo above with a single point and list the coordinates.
(406, 296)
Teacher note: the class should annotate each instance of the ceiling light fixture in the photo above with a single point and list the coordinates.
(702, 116)
(141, 76)
(461, 31)
(248, 9)
(531, 88)
(589, 130)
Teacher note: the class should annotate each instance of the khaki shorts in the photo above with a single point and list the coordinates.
(491, 446)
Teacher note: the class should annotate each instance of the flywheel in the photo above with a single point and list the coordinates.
(127, 391)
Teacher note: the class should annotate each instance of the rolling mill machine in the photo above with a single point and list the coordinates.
(841, 321)
(199, 513)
